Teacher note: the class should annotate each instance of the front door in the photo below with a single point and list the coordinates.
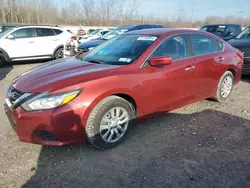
(22, 45)
(172, 85)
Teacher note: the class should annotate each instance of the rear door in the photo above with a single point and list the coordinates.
(173, 85)
(46, 41)
(208, 56)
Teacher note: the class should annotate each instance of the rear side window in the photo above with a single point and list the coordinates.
(44, 32)
(57, 31)
(220, 46)
(23, 33)
(203, 44)
(104, 32)
(175, 47)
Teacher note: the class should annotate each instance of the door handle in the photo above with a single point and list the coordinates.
(31, 42)
(55, 39)
(219, 59)
(190, 68)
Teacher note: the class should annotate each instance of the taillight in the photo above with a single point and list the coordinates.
(73, 38)
(240, 54)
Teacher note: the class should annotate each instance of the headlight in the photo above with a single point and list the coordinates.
(45, 102)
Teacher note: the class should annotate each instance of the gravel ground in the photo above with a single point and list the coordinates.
(205, 144)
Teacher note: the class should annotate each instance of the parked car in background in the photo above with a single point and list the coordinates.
(224, 31)
(32, 42)
(242, 42)
(89, 45)
(94, 35)
(71, 46)
(90, 31)
(99, 96)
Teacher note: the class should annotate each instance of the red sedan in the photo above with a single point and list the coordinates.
(99, 96)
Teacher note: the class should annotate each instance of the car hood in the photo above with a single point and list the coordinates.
(240, 43)
(91, 43)
(59, 74)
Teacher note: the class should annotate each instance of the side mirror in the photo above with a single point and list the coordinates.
(10, 37)
(160, 61)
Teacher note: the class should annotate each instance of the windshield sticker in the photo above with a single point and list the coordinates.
(128, 60)
(123, 59)
(147, 38)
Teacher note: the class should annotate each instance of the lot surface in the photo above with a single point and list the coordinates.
(205, 144)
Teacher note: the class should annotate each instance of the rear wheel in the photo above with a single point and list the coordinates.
(109, 122)
(59, 53)
(225, 87)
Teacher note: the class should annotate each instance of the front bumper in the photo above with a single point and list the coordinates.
(61, 126)
(246, 66)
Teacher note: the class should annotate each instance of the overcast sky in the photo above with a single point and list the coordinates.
(201, 8)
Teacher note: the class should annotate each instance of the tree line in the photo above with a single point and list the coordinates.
(97, 13)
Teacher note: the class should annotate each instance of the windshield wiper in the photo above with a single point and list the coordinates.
(94, 61)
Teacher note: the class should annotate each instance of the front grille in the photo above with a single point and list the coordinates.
(14, 94)
(45, 135)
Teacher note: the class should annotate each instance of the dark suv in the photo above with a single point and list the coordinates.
(224, 31)
(242, 42)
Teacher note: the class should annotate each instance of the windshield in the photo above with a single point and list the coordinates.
(245, 34)
(95, 32)
(5, 32)
(121, 50)
(113, 33)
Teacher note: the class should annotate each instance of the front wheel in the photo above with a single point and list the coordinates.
(109, 122)
(225, 87)
(2, 61)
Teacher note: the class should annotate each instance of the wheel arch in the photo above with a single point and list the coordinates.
(233, 71)
(125, 94)
(4, 54)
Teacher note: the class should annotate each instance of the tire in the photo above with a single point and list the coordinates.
(102, 112)
(227, 76)
(2, 61)
(59, 53)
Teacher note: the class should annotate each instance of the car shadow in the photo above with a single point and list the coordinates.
(26, 62)
(204, 149)
(246, 78)
(4, 71)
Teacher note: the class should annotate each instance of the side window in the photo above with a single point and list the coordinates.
(104, 32)
(203, 44)
(57, 31)
(175, 47)
(230, 30)
(220, 46)
(23, 33)
(44, 32)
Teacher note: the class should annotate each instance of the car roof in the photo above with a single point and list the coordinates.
(26, 25)
(40, 26)
(163, 31)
